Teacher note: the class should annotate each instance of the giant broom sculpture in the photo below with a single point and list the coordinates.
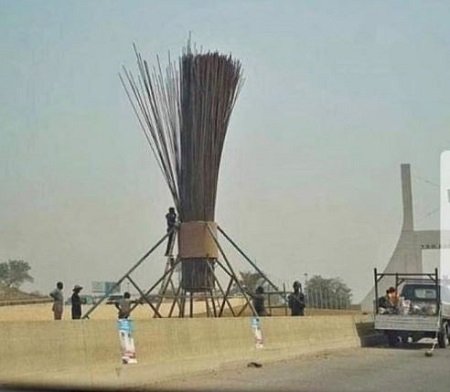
(184, 113)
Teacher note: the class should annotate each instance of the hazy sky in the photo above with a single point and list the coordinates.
(337, 95)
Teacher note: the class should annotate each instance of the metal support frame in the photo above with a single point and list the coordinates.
(225, 294)
(242, 253)
(131, 270)
(170, 270)
(143, 296)
(181, 296)
(247, 258)
(249, 303)
(404, 277)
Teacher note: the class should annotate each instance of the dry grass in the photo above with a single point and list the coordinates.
(36, 312)
(282, 312)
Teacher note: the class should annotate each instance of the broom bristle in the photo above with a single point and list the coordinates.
(184, 113)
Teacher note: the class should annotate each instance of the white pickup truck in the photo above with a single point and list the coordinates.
(422, 309)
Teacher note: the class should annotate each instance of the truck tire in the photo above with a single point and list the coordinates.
(392, 338)
(443, 337)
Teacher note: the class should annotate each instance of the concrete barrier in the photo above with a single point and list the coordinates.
(87, 352)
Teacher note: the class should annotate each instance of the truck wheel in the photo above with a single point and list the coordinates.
(443, 337)
(415, 338)
(392, 338)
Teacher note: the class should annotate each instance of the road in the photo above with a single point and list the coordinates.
(403, 369)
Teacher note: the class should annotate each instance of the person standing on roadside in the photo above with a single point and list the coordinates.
(58, 301)
(258, 301)
(297, 300)
(76, 302)
(124, 306)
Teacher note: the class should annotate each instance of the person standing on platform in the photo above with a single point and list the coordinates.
(171, 219)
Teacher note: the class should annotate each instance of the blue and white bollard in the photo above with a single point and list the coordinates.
(125, 327)
(257, 332)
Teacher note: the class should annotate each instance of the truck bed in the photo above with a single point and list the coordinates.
(398, 322)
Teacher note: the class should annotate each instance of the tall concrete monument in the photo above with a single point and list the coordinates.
(407, 255)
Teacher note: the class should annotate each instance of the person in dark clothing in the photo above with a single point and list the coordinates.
(389, 302)
(171, 219)
(76, 302)
(383, 302)
(296, 300)
(258, 301)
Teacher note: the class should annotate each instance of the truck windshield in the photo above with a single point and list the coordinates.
(419, 292)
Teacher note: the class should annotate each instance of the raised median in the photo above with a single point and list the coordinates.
(87, 352)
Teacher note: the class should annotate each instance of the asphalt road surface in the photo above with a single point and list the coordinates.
(404, 369)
